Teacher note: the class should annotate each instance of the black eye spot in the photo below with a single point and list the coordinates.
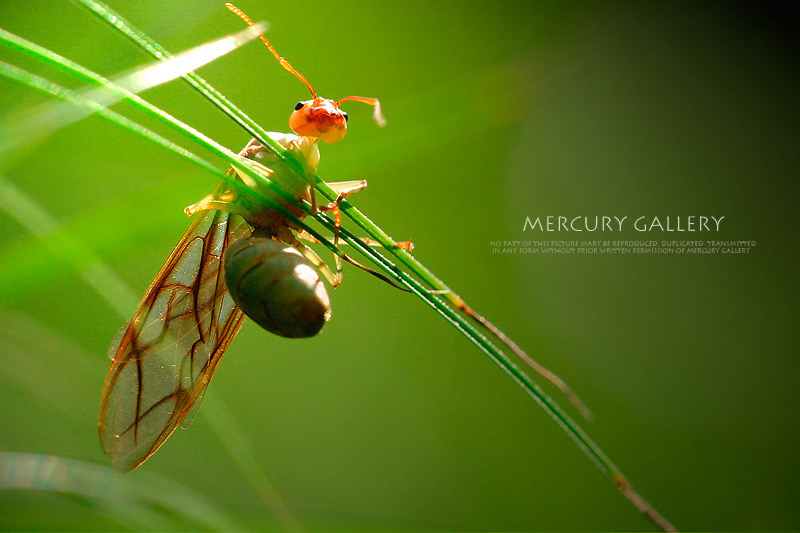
(298, 106)
(346, 116)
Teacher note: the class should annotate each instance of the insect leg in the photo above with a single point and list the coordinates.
(344, 189)
(317, 261)
(252, 148)
(403, 245)
(246, 179)
(220, 203)
(336, 279)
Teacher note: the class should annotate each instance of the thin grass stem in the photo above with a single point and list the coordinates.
(448, 309)
(148, 502)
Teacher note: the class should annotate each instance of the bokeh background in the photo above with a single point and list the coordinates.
(390, 419)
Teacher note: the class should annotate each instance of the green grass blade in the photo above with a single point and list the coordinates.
(449, 310)
(37, 127)
(241, 450)
(143, 501)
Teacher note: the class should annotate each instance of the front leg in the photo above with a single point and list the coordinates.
(253, 147)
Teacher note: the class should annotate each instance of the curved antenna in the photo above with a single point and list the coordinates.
(285, 64)
(377, 115)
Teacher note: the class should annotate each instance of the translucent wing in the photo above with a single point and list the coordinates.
(172, 345)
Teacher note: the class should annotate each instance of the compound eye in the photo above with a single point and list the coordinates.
(298, 106)
(346, 116)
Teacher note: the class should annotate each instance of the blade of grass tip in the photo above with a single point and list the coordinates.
(144, 41)
(32, 131)
(108, 285)
(144, 501)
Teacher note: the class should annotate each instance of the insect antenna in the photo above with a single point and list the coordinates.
(285, 64)
(376, 115)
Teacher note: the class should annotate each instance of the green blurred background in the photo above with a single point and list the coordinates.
(390, 419)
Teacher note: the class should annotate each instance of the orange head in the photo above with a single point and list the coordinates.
(319, 118)
(322, 118)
